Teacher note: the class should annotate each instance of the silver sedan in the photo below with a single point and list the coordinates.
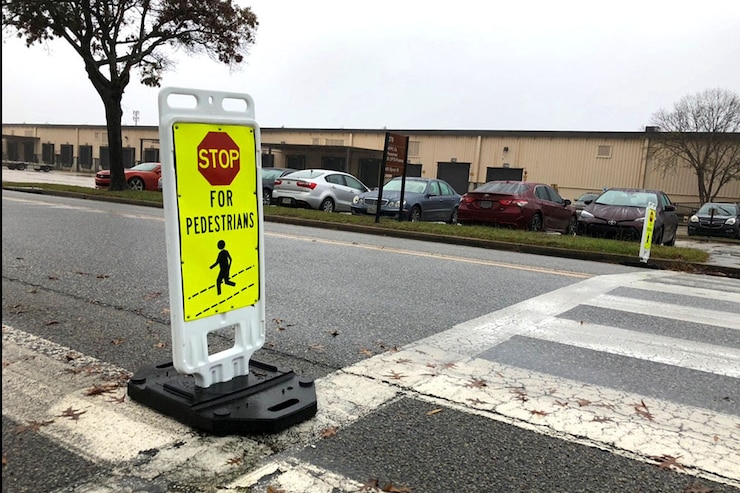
(322, 189)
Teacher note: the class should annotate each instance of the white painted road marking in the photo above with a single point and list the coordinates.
(444, 368)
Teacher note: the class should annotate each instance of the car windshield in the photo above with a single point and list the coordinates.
(502, 187)
(145, 167)
(623, 198)
(271, 174)
(719, 209)
(587, 196)
(412, 186)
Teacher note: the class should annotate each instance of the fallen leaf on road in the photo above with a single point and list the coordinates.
(73, 414)
(642, 410)
(371, 485)
(101, 389)
(667, 461)
(395, 376)
(32, 426)
(476, 383)
(329, 432)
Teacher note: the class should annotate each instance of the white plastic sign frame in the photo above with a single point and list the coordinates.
(646, 240)
(199, 112)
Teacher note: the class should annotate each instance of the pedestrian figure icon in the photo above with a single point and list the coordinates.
(224, 262)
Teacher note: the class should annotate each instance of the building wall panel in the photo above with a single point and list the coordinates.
(574, 161)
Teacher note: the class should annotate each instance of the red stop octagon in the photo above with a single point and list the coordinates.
(218, 158)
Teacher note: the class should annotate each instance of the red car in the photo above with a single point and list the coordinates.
(143, 176)
(520, 205)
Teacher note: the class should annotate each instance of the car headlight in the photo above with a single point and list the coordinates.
(395, 204)
(356, 200)
(640, 219)
(731, 221)
(586, 215)
(694, 219)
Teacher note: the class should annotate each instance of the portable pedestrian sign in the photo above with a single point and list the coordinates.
(213, 225)
(210, 153)
(646, 240)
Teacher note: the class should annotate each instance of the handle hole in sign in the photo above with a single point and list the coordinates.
(184, 101)
(235, 104)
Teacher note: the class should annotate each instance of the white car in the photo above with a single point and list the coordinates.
(323, 189)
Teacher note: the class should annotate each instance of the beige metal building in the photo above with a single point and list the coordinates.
(574, 162)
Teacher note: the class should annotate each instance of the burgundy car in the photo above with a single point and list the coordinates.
(619, 213)
(520, 205)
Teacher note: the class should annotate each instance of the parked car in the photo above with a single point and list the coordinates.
(143, 176)
(519, 205)
(619, 213)
(322, 189)
(268, 179)
(716, 219)
(424, 199)
(586, 198)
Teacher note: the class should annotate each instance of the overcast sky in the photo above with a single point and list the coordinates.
(412, 64)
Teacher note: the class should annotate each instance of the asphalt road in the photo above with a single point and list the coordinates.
(437, 367)
(722, 253)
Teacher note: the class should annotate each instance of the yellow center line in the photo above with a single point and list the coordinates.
(453, 258)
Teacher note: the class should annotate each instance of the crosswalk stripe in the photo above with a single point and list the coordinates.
(700, 292)
(720, 360)
(667, 310)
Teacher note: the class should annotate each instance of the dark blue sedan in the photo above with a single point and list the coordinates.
(424, 199)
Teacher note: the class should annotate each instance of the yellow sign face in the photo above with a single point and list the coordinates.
(216, 176)
(649, 230)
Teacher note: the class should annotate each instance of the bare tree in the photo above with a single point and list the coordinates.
(113, 37)
(700, 133)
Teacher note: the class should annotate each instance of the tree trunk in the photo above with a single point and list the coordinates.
(111, 94)
(113, 117)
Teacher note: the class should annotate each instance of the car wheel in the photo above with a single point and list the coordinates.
(572, 226)
(672, 242)
(658, 237)
(415, 214)
(536, 223)
(136, 183)
(266, 197)
(327, 205)
(453, 218)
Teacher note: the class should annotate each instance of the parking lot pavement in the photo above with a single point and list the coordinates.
(55, 176)
(726, 254)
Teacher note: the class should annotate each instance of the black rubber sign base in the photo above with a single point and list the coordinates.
(267, 400)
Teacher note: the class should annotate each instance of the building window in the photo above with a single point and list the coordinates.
(604, 152)
(334, 142)
(414, 148)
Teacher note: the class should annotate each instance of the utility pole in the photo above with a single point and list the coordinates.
(136, 117)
